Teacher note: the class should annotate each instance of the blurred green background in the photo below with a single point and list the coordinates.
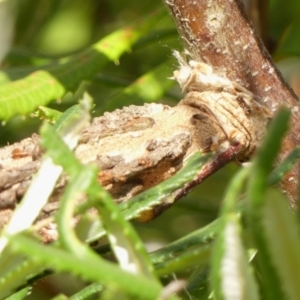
(37, 32)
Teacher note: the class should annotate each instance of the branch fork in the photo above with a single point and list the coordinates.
(232, 90)
(240, 114)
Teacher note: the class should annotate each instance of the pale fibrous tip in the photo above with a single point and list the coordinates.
(239, 113)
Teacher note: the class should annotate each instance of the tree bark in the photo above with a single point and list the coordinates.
(135, 148)
(218, 33)
(232, 89)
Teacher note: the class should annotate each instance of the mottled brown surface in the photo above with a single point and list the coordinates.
(135, 149)
(218, 33)
(138, 147)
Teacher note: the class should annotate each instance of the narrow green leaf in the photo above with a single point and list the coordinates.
(43, 183)
(86, 293)
(47, 114)
(95, 270)
(256, 190)
(278, 173)
(196, 238)
(156, 194)
(263, 163)
(234, 191)
(199, 284)
(73, 110)
(52, 141)
(78, 184)
(231, 277)
(125, 242)
(153, 36)
(20, 295)
(191, 258)
(283, 237)
(16, 275)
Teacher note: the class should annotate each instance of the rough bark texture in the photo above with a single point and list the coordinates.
(232, 89)
(135, 148)
(218, 33)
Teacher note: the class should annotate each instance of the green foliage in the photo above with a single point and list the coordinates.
(277, 243)
(52, 82)
(250, 251)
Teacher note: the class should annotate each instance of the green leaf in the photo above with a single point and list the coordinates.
(155, 195)
(196, 238)
(187, 259)
(198, 284)
(86, 293)
(278, 173)
(90, 268)
(231, 276)
(77, 186)
(15, 271)
(257, 187)
(47, 114)
(43, 183)
(20, 295)
(39, 88)
(125, 242)
(282, 234)
(266, 156)
(159, 194)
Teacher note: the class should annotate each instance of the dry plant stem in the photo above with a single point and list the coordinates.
(220, 161)
(218, 33)
(232, 89)
(135, 148)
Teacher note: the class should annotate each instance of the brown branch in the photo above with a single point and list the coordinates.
(218, 33)
(232, 88)
(217, 163)
(135, 149)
